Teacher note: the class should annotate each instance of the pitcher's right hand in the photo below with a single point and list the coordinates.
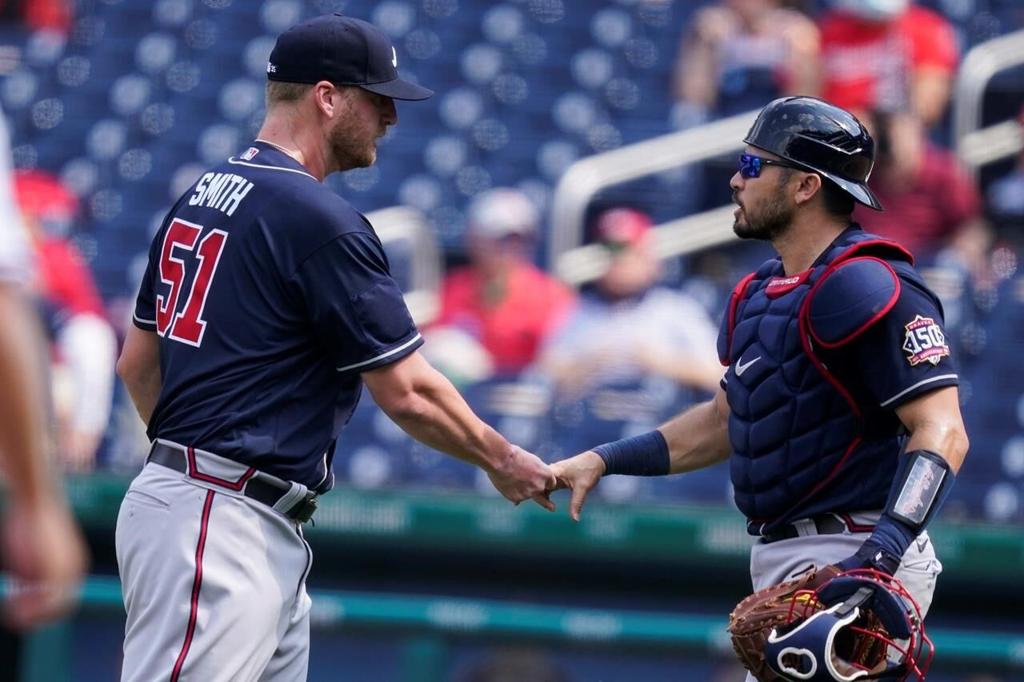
(522, 476)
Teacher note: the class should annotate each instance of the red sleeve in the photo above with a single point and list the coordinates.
(48, 14)
(67, 279)
(832, 29)
(456, 296)
(932, 42)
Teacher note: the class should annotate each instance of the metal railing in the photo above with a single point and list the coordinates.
(401, 223)
(974, 145)
(576, 262)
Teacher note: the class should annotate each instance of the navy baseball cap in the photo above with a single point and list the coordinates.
(344, 51)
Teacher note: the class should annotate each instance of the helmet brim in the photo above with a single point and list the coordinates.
(862, 193)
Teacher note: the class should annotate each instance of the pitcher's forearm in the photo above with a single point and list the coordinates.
(435, 414)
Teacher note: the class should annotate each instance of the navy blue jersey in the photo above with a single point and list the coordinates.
(818, 362)
(270, 295)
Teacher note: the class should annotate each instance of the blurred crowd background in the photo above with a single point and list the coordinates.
(116, 106)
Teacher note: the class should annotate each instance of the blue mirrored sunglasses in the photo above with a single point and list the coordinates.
(750, 165)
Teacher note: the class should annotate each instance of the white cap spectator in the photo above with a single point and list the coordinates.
(502, 212)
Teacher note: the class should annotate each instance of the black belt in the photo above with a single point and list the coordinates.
(826, 524)
(259, 487)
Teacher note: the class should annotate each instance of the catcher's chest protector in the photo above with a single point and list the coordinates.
(791, 426)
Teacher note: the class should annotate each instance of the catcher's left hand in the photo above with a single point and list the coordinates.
(757, 615)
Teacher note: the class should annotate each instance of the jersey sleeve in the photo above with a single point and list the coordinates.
(144, 316)
(906, 353)
(71, 284)
(355, 307)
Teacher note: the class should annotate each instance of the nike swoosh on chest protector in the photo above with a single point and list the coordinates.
(742, 367)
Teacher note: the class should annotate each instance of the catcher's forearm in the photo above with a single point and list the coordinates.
(935, 423)
(695, 439)
(698, 437)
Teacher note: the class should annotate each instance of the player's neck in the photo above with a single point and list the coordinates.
(807, 238)
(296, 141)
(292, 153)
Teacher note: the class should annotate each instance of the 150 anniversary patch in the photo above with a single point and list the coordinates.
(924, 341)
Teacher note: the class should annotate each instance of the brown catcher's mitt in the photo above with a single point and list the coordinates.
(754, 617)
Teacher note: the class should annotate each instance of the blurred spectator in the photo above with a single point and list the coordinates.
(888, 54)
(737, 55)
(35, 15)
(627, 327)
(83, 341)
(740, 54)
(928, 196)
(498, 310)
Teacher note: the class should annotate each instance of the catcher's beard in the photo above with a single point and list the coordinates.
(769, 221)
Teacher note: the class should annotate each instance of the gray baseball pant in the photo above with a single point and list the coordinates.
(214, 583)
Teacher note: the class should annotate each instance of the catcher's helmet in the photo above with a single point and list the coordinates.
(820, 137)
(860, 624)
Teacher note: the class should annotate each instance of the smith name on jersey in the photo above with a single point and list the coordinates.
(222, 191)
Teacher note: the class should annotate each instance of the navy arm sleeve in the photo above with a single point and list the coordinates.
(906, 353)
(356, 308)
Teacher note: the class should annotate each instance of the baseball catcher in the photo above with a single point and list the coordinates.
(838, 412)
(832, 625)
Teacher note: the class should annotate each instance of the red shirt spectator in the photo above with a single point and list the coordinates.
(49, 209)
(906, 60)
(502, 300)
(511, 326)
(65, 278)
(53, 15)
(927, 195)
